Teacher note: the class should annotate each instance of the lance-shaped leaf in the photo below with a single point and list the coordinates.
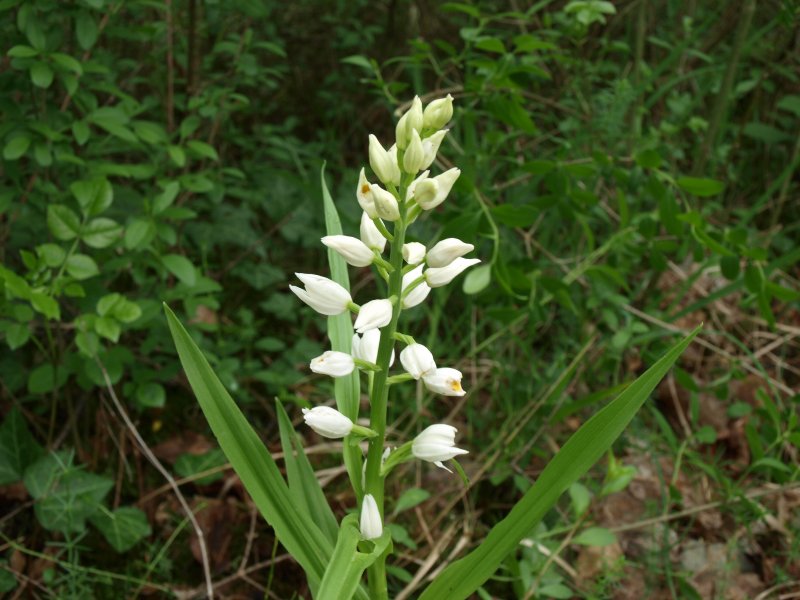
(251, 460)
(340, 332)
(348, 564)
(575, 458)
(303, 484)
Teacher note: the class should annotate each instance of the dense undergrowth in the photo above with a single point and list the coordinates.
(629, 169)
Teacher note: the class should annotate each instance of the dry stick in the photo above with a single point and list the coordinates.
(703, 507)
(721, 102)
(157, 464)
(708, 345)
(436, 552)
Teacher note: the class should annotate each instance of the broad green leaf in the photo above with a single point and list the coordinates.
(53, 254)
(46, 305)
(119, 307)
(108, 327)
(93, 195)
(251, 460)
(165, 199)
(82, 266)
(575, 458)
(347, 565)
(700, 186)
(16, 147)
(191, 464)
(18, 448)
(303, 484)
(202, 149)
(477, 279)
(41, 75)
(151, 395)
(340, 331)
(22, 51)
(65, 495)
(181, 267)
(123, 528)
(85, 30)
(139, 233)
(62, 222)
(177, 155)
(66, 62)
(81, 132)
(16, 335)
(101, 232)
(410, 498)
(595, 536)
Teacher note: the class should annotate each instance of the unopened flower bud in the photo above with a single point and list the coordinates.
(364, 195)
(333, 363)
(373, 314)
(415, 154)
(410, 121)
(385, 203)
(445, 381)
(417, 360)
(413, 253)
(445, 183)
(438, 113)
(370, 523)
(322, 294)
(413, 185)
(436, 444)
(370, 234)
(426, 191)
(354, 251)
(382, 162)
(437, 277)
(431, 145)
(327, 421)
(446, 251)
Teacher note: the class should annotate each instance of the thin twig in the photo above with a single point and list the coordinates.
(166, 474)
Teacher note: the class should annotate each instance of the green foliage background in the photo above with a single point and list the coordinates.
(616, 158)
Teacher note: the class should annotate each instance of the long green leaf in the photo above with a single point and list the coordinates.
(303, 484)
(347, 565)
(340, 332)
(251, 459)
(574, 459)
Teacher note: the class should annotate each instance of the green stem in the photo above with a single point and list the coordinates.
(378, 400)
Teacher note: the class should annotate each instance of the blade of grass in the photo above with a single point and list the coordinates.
(575, 458)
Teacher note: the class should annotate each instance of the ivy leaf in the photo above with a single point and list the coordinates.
(65, 494)
(123, 528)
(18, 448)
